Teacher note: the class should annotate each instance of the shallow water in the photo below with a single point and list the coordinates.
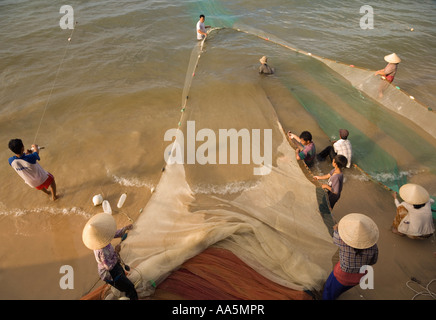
(120, 85)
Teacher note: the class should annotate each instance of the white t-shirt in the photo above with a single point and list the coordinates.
(29, 169)
(418, 222)
(200, 26)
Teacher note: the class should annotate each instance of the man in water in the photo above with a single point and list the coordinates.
(201, 28)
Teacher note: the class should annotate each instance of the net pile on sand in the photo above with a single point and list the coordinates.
(277, 231)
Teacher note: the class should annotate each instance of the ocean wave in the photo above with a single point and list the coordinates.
(130, 182)
(229, 188)
(386, 176)
(389, 176)
(17, 212)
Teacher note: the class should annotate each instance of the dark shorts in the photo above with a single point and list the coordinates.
(122, 283)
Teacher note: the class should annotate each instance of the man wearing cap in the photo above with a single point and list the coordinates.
(414, 217)
(356, 236)
(341, 146)
(97, 235)
(264, 67)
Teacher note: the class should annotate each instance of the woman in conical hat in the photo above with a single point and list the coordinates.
(356, 236)
(388, 73)
(97, 235)
(264, 67)
(391, 68)
(414, 217)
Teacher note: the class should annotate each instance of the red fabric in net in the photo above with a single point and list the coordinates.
(217, 274)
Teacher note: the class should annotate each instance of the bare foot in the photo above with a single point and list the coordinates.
(56, 197)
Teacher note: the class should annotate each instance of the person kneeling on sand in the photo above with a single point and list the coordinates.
(335, 179)
(97, 235)
(27, 167)
(414, 217)
(356, 236)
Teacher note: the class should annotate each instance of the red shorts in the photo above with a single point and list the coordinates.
(47, 182)
(389, 78)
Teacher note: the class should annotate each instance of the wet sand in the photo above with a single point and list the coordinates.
(36, 244)
(400, 258)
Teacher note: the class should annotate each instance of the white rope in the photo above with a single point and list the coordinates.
(54, 83)
(426, 290)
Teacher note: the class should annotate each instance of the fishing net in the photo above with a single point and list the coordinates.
(275, 223)
(385, 146)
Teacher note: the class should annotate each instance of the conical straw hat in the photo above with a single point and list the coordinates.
(99, 231)
(263, 60)
(392, 58)
(414, 194)
(358, 231)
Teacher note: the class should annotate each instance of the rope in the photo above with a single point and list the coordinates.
(426, 290)
(54, 83)
(188, 86)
